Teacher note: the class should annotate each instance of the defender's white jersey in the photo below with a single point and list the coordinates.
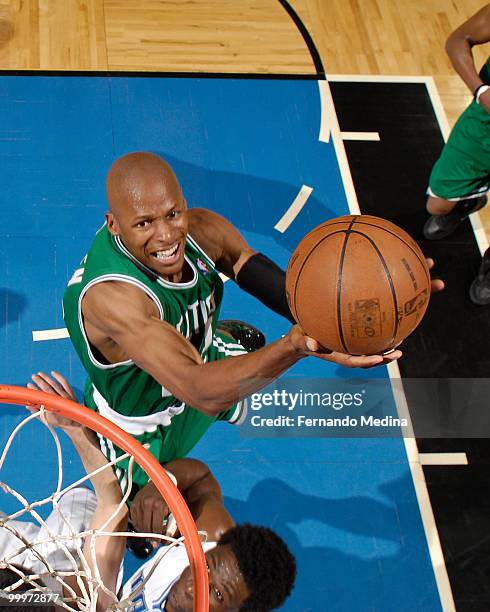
(75, 511)
(154, 595)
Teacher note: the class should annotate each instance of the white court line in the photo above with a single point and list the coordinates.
(480, 235)
(325, 127)
(381, 78)
(328, 109)
(443, 459)
(416, 470)
(374, 136)
(223, 277)
(294, 210)
(438, 107)
(50, 334)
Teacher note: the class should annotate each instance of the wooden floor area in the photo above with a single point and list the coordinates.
(390, 37)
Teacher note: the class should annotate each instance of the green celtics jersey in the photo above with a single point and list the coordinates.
(122, 391)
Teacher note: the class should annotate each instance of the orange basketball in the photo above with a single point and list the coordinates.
(358, 284)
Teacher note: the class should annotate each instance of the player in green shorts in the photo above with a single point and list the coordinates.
(142, 312)
(460, 178)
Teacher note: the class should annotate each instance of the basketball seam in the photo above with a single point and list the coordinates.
(306, 257)
(424, 265)
(388, 276)
(305, 260)
(348, 232)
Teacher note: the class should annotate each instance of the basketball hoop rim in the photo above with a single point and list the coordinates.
(91, 419)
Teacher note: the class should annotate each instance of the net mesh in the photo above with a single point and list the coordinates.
(55, 558)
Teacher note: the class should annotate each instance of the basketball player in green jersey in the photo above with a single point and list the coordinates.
(142, 312)
(460, 179)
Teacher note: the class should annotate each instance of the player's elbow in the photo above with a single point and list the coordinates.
(204, 393)
(211, 406)
(456, 44)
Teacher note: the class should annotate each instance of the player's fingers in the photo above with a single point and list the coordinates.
(352, 361)
(34, 408)
(363, 361)
(436, 285)
(55, 385)
(159, 514)
(44, 383)
(70, 394)
(392, 356)
(135, 513)
(313, 346)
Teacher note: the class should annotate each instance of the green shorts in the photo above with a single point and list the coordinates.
(185, 430)
(463, 169)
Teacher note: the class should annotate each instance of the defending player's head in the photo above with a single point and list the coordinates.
(148, 212)
(265, 562)
(250, 570)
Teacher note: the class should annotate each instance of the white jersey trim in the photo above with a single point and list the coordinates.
(156, 590)
(119, 278)
(158, 278)
(135, 425)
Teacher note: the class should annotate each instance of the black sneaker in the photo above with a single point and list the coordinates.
(480, 287)
(247, 335)
(442, 226)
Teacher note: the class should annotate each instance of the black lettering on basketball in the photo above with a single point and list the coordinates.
(416, 303)
(408, 268)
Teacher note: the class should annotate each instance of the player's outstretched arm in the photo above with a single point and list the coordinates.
(159, 349)
(475, 31)
(109, 551)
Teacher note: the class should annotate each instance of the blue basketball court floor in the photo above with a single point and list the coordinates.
(263, 153)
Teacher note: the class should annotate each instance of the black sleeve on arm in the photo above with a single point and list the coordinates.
(265, 280)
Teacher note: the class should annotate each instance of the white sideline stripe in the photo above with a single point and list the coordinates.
(325, 126)
(443, 459)
(374, 136)
(480, 235)
(438, 107)
(294, 210)
(374, 78)
(50, 334)
(416, 470)
(420, 485)
(328, 109)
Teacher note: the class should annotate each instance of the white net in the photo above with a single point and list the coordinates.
(46, 537)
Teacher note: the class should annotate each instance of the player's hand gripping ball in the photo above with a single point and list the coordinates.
(358, 284)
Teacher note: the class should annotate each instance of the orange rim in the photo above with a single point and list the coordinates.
(175, 501)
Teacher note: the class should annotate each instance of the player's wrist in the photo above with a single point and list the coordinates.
(75, 431)
(479, 91)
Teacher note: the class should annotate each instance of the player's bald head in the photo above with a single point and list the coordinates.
(135, 177)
